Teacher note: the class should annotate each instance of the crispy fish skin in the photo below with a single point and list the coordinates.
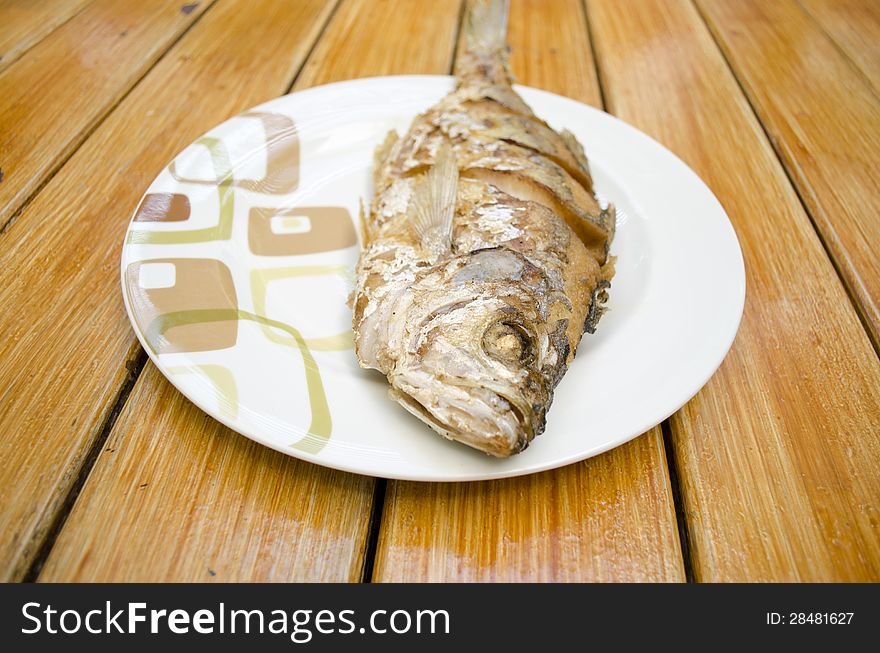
(485, 256)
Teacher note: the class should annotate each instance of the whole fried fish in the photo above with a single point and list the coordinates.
(485, 255)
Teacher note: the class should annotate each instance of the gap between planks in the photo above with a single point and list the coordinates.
(774, 143)
(600, 78)
(684, 538)
(330, 15)
(135, 366)
(379, 493)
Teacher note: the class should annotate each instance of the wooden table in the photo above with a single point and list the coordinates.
(771, 473)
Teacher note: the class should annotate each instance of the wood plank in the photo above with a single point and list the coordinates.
(317, 518)
(855, 27)
(610, 518)
(176, 496)
(550, 49)
(353, 49)
(52, 98)
(777, 455)
(27, 22)
(66, 339)
(824, 120)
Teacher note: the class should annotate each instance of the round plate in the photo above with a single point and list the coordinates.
(239, 260)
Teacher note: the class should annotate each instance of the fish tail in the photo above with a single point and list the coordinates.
(483, 54)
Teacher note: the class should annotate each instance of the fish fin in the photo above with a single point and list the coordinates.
(433, 203)
(381, 152)
(482, 57)
(381, 155)
(365, 229)
(599, 296)
(608, 221)
(606, 272)
(597, 305)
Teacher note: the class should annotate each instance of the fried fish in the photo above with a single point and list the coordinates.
(485, 255)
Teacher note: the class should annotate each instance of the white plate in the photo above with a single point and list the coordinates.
(237, 288)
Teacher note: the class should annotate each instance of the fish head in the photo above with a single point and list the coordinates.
(481, 353)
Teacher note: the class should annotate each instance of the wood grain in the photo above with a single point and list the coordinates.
(66, 339)
(176, 496)
(27, 22)
(367, 38)
(855, 27)
(610, 518)
(214, 496)
(777, 455)
(52, 98)
(550, 48)
(824, 120)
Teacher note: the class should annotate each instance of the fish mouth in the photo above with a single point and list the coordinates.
(501, 430)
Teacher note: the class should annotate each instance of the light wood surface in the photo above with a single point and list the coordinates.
(610, 518)
(773, 465)
(827, 139)
(415, 38)
(777, 455)
(176, 496)
(607, 519)
(855, 27)
(65, 345)
(553, 53)
(320, 533)
(50, 100)
(26, 22)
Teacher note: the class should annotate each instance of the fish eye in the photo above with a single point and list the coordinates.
(509, 342)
